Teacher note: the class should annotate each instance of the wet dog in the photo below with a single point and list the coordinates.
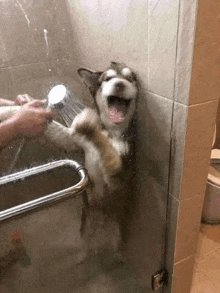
(107, 137)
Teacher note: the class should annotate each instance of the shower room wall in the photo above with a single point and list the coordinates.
(44, 42)
(35, 46)
(143, 35)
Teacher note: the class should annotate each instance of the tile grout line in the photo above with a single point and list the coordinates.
(203, 273)
(186, 258)
(178, 102)
(214, 250)
(180, 200)
(202, 259)
(209, 280)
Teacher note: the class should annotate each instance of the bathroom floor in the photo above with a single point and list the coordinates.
(206, 277)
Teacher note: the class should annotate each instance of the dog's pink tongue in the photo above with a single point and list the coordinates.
(117, 114)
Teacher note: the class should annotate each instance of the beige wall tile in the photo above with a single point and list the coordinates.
(205, 85)
(199, 135)
(188, 227)
(183, 272)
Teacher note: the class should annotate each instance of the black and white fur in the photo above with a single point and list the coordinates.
(107, 141)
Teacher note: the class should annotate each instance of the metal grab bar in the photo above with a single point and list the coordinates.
(48, 199)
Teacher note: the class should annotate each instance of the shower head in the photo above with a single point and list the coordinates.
(59, 100)
(58, 97)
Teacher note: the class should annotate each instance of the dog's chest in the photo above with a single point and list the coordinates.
(93, 161)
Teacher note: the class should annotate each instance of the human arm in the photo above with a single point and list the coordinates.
(19, 100)
(29, 120)
(4, 102)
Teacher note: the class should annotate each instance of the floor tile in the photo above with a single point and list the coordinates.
(201, 284)
(211, 232)
(206, 272)
(205, 246)
(207, 266)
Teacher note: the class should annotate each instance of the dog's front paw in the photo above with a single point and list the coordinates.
(86, 123)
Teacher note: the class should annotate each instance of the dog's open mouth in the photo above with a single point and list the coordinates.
(118, 108)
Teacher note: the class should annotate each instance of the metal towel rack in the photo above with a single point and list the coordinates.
(50, 198)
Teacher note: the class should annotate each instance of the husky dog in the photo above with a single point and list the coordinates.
(106, 136)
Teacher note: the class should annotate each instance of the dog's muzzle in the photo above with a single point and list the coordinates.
(118, 108)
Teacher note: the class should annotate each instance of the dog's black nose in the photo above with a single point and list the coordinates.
(120, 85)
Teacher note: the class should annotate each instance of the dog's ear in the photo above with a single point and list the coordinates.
(90, 78)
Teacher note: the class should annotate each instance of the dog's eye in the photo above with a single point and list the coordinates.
(108, 78)
(131, 78)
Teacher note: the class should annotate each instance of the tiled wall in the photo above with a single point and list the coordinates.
(121, 31)
(196, 95)
(142, 34)
(36, 43)
(44, 42)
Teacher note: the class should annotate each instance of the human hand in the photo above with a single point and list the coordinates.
(31, 119)
(22, 99)
(34, 104)
(19, 100)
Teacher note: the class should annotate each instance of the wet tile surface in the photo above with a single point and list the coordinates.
(177, 148)
(162, 36)
(187, 22)
(33, 32)
(154, 131)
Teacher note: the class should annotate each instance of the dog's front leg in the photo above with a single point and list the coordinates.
(87, 128)
(61, 136)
